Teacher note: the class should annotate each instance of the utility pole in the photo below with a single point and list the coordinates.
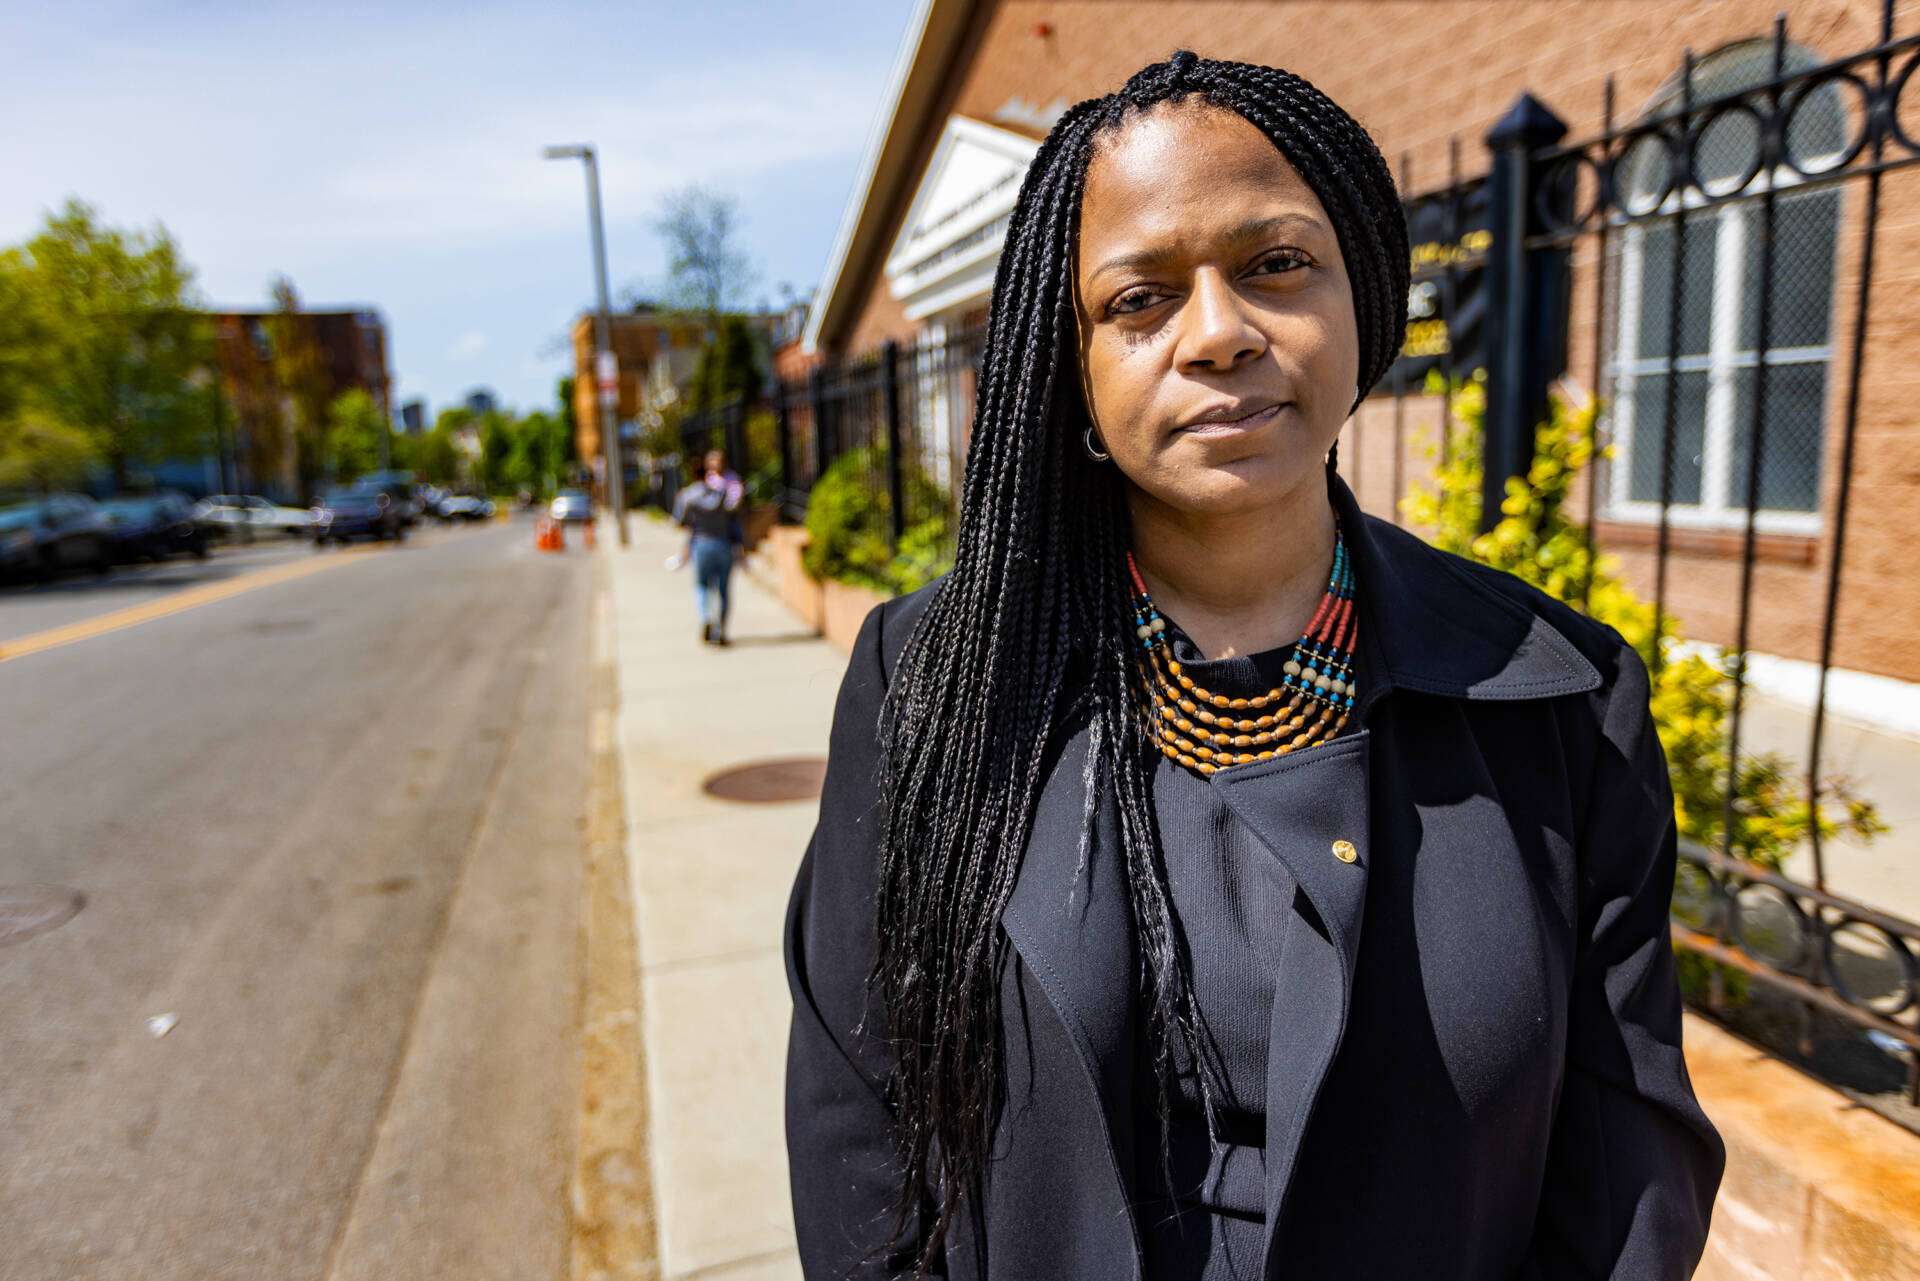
(606, 370)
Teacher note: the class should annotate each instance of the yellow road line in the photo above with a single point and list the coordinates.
(115, 620)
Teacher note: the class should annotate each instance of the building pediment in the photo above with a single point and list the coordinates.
(955, 226)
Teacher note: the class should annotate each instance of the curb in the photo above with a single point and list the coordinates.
(614, 1230)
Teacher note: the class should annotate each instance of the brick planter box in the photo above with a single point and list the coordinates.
(846, 607)
(799, 591)
(832, 608)
(757, 523)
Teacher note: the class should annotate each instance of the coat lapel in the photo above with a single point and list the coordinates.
(1072, 925)
(1311, 810)
(1435, 627)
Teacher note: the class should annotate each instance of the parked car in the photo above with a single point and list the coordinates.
(238, 515)
(572, 506)
(467, 507)
(345, 512)
(399, 487)
(43, 537)
(153, 527)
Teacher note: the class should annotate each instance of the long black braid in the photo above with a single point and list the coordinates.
(1037, 595)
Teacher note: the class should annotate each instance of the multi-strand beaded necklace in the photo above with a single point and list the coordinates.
(1205, 731)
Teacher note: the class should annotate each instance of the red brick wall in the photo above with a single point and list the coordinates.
(1417, 72)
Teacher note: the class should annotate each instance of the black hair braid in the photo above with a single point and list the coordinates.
(1037, 606)
(936, 969)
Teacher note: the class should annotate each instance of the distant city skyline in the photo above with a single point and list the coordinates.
(389, 157)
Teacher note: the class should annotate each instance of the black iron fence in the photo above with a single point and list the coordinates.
(1706, 270)
(900, 414)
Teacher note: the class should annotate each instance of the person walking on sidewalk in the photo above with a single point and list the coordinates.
(709, 509)
(1213, 881)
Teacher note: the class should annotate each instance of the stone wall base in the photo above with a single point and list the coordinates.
(1817, 1188)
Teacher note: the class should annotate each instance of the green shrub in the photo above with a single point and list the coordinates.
(847, 522)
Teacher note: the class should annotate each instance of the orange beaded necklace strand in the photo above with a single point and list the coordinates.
(1205, 731)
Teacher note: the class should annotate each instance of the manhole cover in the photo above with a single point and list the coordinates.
(790, 780)
(27, 910)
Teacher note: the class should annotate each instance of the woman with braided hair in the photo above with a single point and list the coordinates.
(1212, 881)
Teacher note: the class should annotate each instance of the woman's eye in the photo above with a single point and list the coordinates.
(1284, 261)
(1132, 300)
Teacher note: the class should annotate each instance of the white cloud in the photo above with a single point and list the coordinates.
(467, 345)
(390, 155)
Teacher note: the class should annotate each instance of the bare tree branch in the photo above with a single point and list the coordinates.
(707, 273)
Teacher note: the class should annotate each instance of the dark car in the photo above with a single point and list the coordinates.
(399, 487)
(356, 511)
(43, 537)
(153, 527)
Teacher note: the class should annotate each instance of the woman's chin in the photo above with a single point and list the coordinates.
(1233, 488)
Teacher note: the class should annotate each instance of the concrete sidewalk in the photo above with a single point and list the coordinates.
(710, 883)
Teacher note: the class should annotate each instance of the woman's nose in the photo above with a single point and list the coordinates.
(1216, 331)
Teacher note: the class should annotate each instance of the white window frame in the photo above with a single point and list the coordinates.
(1718, 507)
(934, 433)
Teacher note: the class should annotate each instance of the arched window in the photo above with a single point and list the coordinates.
(1712, 365)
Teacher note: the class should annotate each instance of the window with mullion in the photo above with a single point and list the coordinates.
(1693, 390)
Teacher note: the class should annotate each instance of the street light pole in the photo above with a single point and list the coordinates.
(604, 368)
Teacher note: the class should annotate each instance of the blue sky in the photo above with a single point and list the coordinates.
(390, 154)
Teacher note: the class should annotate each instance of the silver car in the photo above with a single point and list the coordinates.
(571, 506)
(245, 515)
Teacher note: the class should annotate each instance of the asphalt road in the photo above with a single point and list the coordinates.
(326, 812)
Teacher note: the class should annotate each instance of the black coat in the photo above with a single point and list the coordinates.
(1474, 1069)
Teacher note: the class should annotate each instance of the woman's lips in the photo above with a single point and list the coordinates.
(1234, 426)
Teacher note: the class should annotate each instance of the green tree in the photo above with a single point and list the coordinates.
(37, 451)
(354, 427)
(498, 444)
(568, 422)
(729, 366)
(19, 333)
(105, 340)
(539, 458)
(434, 453)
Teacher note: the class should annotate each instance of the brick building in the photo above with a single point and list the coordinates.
(657, 353)
(351, 349)
(983, 80)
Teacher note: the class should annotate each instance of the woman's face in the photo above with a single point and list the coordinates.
(1218, 349)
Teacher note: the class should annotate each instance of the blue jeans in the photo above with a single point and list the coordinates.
(712, 575)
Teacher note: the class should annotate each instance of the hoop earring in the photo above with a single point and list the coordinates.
(1093, 451)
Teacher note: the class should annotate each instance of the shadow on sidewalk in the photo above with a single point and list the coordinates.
(777, 638)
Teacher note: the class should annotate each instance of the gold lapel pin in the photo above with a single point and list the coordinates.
(1344, 851)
